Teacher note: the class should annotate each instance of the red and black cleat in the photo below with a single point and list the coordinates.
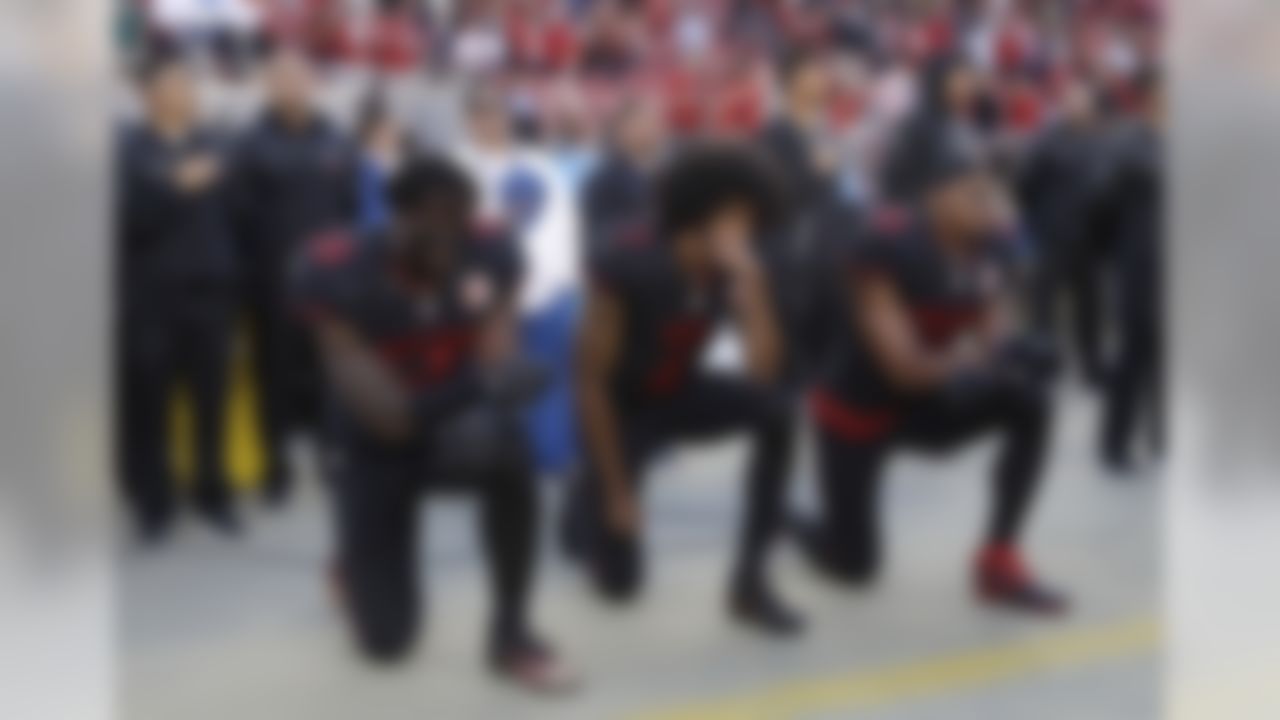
(1002, 580)
(534, 666)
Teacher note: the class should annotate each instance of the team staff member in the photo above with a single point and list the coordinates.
(929, 360)
(1131, 203)
(801, 145)
(415, 331)
(296, 176)
(619, 190)
(1056, 185)
(177, 282)
(657, 295)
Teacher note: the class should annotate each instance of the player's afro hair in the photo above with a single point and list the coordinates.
(703, 178)
(427, 176)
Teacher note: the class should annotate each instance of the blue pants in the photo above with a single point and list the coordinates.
(548, 340)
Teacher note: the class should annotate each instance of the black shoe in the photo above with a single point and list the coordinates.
(154, 528)
(220, 516)
(277, 491)
(759, 608)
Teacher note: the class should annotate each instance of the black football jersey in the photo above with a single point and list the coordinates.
(667, 318)
(426, 336)
(945, 297)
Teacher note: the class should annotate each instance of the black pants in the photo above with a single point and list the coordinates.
(848, 542)
(1073, 274)
(1135, 397)
(286, 375)
(183, 337)
(707, 408)
(377, 498)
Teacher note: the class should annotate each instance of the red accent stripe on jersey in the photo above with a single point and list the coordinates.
(681, 341)
(847, 422)
(940, 324)
(427, 358)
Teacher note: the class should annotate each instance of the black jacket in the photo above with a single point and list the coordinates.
(1061, 173)
(291, 184)
(170, 239)
(617, 193)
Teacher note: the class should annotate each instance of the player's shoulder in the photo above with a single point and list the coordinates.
(340, 252)
(631, 254)
(887, 238)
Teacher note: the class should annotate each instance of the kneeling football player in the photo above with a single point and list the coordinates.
(927, 358)
(657, 293)
(414, 327)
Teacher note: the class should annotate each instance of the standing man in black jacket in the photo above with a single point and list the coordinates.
(1056, 185)
(620, 189)
(1131, 203)
(296, 178)
(799, 143)
(176, 278)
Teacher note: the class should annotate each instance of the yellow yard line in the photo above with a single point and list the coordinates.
(930, 677)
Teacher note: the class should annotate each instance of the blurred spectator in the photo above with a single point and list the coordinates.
(802, 147)
(946, 113)
(226, 29)
(297, 177)
(384, 145)
(177, 280)
(520, 188)
(1055, 186)
(619, 190)
(479, 46)
(1131, 205)
(799, 138)
(611, 46)
(397, 41)
(571, 137)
